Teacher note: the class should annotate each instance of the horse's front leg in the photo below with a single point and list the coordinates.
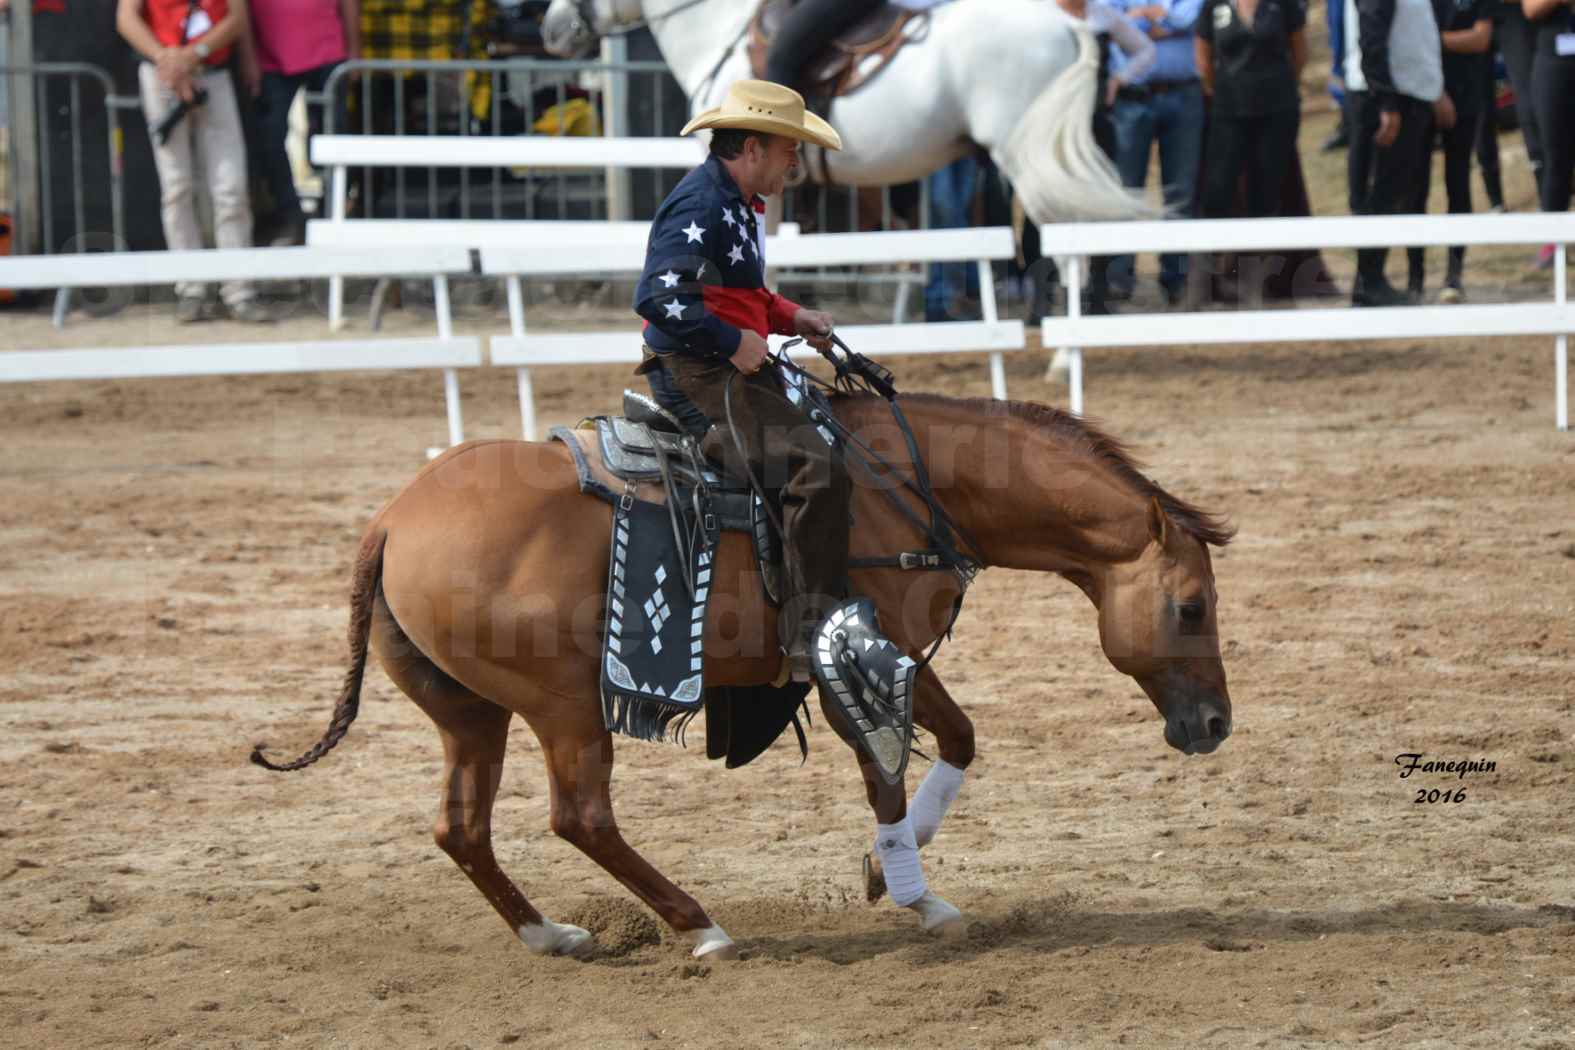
(896, 851)
(934, 709)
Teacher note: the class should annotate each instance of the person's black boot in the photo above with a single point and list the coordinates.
(1377, 291)
(1339, 138)
(1454, 288)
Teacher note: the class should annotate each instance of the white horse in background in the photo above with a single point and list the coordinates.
(1017, 77)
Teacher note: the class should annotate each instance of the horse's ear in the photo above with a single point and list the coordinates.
(1158, 521)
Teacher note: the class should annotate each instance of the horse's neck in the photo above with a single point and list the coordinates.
(1030, 499)
(693, 38)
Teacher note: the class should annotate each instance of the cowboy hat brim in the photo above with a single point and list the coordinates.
(814, 130)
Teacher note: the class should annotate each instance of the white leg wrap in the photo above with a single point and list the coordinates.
(555, 938)
(899, 859)
(935, 795)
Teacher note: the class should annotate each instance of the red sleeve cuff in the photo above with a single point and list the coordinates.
(779, 315)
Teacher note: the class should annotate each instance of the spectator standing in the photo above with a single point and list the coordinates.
(1250, 55)
(1394, 74)
(184, 45)
(1517, 41)
(1334, 15)
(1466, 32)
(1109, 26)
(1487, 116)
(296, 44)
(1553, 84)
(952, 191)
(1164, 104)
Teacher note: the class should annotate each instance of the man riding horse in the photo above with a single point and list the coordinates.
(808, 28)
(708, 312)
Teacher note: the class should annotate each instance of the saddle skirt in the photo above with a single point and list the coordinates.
(853, 58)
(669, 507)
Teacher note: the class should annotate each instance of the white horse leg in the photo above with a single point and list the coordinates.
(1060, 366)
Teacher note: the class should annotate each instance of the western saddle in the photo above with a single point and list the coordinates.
(852, 59)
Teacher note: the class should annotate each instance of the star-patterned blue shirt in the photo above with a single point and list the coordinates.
(704, 276)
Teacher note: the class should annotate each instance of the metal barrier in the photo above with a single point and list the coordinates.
(58, 96)
(510, 97)
(419, 97)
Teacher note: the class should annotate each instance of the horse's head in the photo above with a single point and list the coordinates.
(1156, 624)
(571, 28)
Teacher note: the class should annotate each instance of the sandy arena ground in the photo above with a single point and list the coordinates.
(174, 560)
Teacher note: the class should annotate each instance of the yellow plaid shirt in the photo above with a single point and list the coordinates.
(430, 29)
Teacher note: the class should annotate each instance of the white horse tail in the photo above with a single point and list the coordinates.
(1055, 166)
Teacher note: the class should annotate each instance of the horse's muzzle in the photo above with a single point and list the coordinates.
(1199, 730)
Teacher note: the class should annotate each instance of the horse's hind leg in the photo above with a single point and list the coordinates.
(580, 763)
(475, 735)
(934, 709)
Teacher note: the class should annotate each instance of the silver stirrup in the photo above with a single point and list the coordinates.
(870, 683)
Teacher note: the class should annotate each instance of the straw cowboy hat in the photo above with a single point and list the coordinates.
(760, 105)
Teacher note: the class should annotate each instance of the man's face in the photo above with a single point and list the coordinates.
(772, 159)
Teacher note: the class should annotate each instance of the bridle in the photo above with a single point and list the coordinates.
(945, 536)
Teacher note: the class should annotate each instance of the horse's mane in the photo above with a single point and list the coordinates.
(1090, 439)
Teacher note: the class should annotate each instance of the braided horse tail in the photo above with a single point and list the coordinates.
(363, 588)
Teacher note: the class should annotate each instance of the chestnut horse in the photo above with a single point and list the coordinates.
(481, 588)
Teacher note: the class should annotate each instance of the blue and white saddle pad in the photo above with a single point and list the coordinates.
(652, 659)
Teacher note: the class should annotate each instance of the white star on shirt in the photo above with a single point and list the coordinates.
(668, 279)
(675, 310)
(694, 233)
(743, 215)
(727, 217)
(737, 254)
(700, 271)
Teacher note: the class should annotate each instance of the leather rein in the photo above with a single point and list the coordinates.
(858, 374)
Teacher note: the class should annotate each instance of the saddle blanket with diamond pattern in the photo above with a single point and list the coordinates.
(652, 670)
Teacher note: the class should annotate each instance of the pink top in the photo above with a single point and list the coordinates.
(294, 36)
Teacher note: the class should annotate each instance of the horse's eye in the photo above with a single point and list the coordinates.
(1192, 612)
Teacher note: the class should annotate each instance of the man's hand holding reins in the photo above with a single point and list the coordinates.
(815, 326)
(751, 352)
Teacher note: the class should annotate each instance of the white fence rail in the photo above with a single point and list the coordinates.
(1076, 240)
(446, 352)
(980, 246)
(340, 153)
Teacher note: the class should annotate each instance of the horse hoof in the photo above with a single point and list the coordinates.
(556, 938)
(874, 879)
(715, 945)
(938, 918)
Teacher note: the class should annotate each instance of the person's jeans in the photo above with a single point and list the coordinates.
(951, 207)
(273, 127)
(1457, 143)
(1383, 181)
(1175, 119)
(1517, 42)
(1553, 84)
(213, 131)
